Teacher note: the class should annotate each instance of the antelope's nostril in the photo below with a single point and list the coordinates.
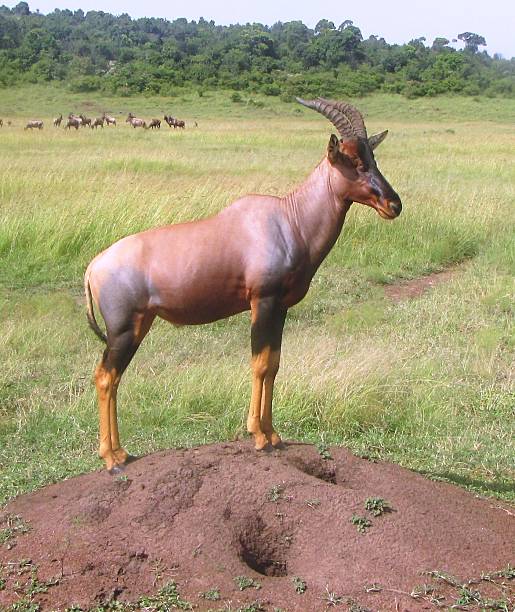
(396, 207)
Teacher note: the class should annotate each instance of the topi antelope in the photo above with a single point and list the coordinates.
(109, 120)
(75, 119)
(173, 122)
(258, 254)
(57, 120)
(35, 123)
(135, 121)
(74, 122)
(99, 121)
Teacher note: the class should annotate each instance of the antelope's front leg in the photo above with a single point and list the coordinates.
(266, 335)
(272, 367)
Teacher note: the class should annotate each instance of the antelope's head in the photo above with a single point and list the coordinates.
(352, 155)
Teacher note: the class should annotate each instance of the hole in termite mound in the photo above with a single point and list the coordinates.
(264, 549)
(319, 468)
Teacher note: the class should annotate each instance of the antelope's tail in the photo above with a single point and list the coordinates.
(90, 313)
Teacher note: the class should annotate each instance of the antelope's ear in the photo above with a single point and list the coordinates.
(333, 148)
(377, 139)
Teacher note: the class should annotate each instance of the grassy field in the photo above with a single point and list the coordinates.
(427, 383)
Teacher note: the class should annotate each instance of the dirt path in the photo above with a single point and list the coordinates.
(205, 516)
(416, 287)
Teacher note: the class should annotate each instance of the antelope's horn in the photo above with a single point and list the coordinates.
(346, 118)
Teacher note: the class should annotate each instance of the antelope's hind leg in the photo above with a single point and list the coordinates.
(117, 356)
(266, 336)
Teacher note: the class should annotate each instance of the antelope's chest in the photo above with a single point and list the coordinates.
(295, 285)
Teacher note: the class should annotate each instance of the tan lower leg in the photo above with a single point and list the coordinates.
(266, 401)
(120, 454)
(254, 418)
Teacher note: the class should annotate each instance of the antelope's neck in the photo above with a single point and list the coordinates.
(317, 212)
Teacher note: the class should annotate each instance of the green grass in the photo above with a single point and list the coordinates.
(427, 383)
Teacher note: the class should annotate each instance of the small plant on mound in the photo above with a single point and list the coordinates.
(361, 522)
(211, 594)
(377, 505)
(24, 605)
(468, 597)
(299, 585)
(465, 597)
(14, 526)
(27, 588)
(323, 451)
(507, 572)
(167, 598)
(331, 598)
(244, 582)
(275, 493)
(356, 607)
(255, 606)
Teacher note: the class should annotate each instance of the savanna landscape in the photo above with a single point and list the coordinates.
(401, 353)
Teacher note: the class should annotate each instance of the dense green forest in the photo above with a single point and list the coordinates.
(117, 54)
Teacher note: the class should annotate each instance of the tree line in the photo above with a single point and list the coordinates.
(117, 54)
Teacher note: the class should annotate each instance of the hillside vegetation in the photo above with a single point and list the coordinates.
(98, 51)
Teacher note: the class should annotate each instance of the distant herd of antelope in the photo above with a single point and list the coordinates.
(77, 121)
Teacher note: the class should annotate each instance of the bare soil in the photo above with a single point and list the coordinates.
(205, 516)
(417, 286)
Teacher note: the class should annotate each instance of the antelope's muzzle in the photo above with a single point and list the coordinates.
(395, 206)
(389, 209)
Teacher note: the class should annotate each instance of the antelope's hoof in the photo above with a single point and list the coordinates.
(260, 441)
(117, 469)
(121, 456)
(275, 440)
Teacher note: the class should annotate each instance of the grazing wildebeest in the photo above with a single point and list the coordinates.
(34, 123)
(109, 120)
(99, 121)
(155, 123)
(169, 120)
(57, 120)
(135, 121)
(258, 254)
(74, 122)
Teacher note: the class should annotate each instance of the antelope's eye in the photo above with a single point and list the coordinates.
(358, 164)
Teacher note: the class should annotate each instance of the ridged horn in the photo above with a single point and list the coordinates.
(346, 118)
(375, 140)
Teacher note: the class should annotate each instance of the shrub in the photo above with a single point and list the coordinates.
(85, 84)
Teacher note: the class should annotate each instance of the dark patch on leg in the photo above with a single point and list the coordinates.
(267, 325)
